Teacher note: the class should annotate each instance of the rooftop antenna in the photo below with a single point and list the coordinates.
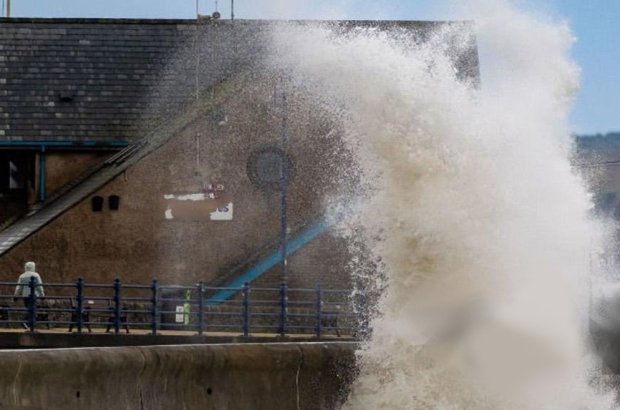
(216, 14)
(8, 8)
(232, 10)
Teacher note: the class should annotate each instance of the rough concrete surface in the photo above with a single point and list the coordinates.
(227, 376)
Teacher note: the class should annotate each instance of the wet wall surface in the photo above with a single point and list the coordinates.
(232, 376)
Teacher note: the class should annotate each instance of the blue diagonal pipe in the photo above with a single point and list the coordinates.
(269, 262)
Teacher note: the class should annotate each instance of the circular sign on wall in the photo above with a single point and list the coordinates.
(267, 165)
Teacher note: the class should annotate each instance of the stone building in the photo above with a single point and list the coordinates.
(159, 148)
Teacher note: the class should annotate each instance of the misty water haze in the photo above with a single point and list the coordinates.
(483, 229)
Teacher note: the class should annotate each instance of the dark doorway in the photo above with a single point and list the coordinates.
(17, 181)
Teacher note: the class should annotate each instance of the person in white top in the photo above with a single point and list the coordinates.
(22, 290)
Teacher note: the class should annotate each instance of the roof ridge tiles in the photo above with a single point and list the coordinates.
(81, 20)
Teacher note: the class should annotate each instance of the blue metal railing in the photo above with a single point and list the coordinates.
(282, 310)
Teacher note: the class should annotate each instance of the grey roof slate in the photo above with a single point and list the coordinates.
(70, 79)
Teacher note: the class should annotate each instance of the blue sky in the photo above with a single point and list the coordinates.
(594, 22)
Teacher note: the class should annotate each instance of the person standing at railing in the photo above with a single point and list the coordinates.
(22, 290)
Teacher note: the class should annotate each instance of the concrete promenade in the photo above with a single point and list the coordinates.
(59, 337)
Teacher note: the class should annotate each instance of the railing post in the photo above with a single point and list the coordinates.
(319, 310)
(283, 309)
(79, 308)
(117, 305)
(32, 304)
(246, 309)
(200, 291)
(154, 297)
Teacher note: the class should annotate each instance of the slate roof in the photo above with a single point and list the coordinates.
(90, 79)
(81, 79)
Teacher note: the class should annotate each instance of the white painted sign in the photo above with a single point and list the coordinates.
(223, 214)
(180, 314)
(213, 204)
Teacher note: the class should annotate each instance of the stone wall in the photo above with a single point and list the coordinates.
(234, 376)
(138, 244)
(63, 167)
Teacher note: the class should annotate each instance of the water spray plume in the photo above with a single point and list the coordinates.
(481, 226)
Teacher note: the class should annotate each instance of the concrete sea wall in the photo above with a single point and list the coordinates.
(227, 376)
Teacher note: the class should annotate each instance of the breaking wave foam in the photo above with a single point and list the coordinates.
(481, 226)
